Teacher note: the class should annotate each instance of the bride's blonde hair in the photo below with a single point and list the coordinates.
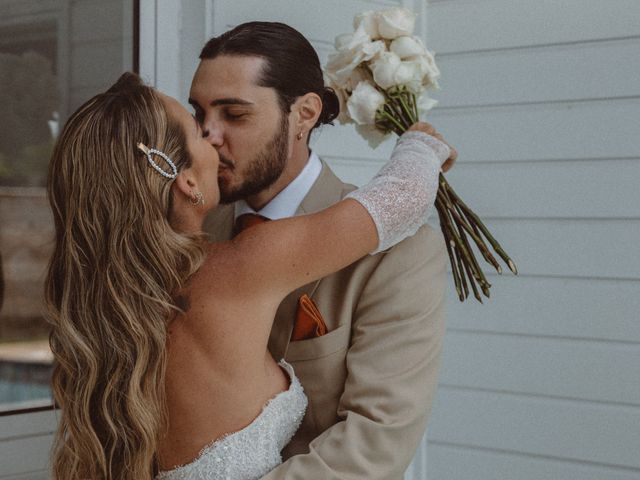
(116, 267)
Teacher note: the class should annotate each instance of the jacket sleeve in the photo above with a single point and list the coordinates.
(392, 369)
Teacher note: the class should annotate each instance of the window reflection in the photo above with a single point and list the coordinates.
(54, 55)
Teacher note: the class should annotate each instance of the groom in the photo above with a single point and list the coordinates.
(368, 356)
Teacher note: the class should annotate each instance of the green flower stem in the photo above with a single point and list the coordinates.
(467, 252)
(456, 238)
(463, 278)
(479, 242)
(473, 283)
(396, 109)
(460, 222)
(391, 119)
(494, 243)
(449, 243)
(407, 110)
(482, 246)
(474, 261)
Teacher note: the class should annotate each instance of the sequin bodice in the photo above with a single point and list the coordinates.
(252, 452)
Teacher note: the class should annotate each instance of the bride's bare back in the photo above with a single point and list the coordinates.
(219, 372)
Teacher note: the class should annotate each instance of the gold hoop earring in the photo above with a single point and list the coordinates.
(299, 136)
(197, 199)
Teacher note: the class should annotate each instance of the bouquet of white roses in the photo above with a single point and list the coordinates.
(381, 74)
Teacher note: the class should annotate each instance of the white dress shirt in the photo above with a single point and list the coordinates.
(286, 203)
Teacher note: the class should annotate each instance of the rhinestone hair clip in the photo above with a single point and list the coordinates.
(150, 151)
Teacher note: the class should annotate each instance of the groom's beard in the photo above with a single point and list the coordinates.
(262, 171)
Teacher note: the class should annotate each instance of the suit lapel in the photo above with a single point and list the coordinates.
(327, 190)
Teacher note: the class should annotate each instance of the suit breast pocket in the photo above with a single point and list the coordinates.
(316, 348)
(320, 364)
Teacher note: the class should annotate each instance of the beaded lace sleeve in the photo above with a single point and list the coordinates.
(401, 195)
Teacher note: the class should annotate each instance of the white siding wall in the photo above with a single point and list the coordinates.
(25, 441)
(543, 101)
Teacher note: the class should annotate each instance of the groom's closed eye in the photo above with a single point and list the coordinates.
(234, 115)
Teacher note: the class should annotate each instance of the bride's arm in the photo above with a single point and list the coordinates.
(276, 257)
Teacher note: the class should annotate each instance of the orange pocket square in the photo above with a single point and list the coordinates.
(309, 322)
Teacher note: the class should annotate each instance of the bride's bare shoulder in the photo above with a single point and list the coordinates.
(220, 270)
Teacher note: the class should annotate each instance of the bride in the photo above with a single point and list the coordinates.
(160, 339)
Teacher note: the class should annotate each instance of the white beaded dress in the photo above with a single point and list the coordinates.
(252, 452)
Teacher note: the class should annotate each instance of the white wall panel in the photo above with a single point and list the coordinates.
(542, 102)
(545, 306)
(449, 462)
(573, 130)
(25, 443)
(551, 189)
(566, 72)
(590, 432)
(570, 248)
(465, 25)
(559, 367)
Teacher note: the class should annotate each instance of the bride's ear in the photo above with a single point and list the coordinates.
(186, 184)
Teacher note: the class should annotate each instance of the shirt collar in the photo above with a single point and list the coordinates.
(286, 203)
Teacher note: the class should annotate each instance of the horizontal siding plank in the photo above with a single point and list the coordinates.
(594, 433)
(550, 189)
(336, 15)
(535, 189)
(595, 371)
(492, 24)
(560, 307)
(568, 72)
(574, 248)
(23, 455)
(340, 141)
(580, 130)
(12, 426)
(35, 475)
(447, 462)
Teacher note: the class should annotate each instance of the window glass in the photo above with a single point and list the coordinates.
(54, 55)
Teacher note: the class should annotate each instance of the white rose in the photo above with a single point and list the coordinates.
(369, 21)
(372, 135)
(396, 22)
(430, 71)
(425, 103)
(341, 41)
(406, 47)
(384, 69)
(410, 75)
(364, 102)
(358, 75)
(342, 63)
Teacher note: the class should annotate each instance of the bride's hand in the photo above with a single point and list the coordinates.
(430, 130)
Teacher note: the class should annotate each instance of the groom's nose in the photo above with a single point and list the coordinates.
(213, 133)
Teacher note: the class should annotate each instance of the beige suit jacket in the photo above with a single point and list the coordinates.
(372, 378)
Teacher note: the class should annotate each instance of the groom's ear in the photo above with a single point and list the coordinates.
(307, 108)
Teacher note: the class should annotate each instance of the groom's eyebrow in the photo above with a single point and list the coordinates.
(223, 101)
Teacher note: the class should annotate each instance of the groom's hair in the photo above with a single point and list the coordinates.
(292, 66)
